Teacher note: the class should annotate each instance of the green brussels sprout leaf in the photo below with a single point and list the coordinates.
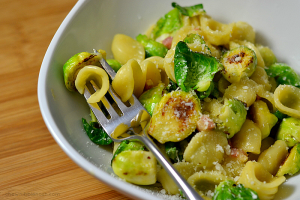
(292, 164)
(229, 190)
(283, 74)
(190, 11)
(96, 133)
(194, 70)
(172, 86)
(167, 24)
(151, 97)
(152, 47)
(174, 151)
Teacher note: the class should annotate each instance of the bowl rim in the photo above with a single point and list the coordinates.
(104, 177)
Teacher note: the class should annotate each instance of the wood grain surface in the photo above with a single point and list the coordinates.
(32, 165)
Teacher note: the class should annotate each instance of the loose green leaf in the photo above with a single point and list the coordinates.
(96, 133)
(228, 190)
(194, 70)
(280, 115)
(152, 47)
(283, 74)
(167, 24)
(173, 151)
(190, 11)
(128, 145)
(172, 86)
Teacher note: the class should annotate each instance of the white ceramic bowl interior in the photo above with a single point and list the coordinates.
(93, 23)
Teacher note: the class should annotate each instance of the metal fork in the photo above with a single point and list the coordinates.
(129, 113)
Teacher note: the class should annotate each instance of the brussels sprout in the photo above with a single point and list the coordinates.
(267, 55)
(292, 163)
(283, 74)
(138, 167)
(190, 11)
(175, 117)
(289, 131)
(167, 25)
(238, 63)
(151, 97)
(77, 62)
(152, 47)
(229, 190)
(128, 145)
(96, 133)
(196, 41)
(115, 65)
(233, 116)
(194, 70)
(174, 151)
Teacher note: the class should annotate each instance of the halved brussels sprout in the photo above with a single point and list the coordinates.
(233, 116)
(174, 117)
(289, 131)
(138, 167)
(238, 63)
(77, 62)
(292, 164)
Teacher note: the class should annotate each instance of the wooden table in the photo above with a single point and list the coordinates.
(32, 165)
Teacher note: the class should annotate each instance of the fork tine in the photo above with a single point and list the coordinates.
(98, 113)
(117, 99)
(108, 68)
(112, 112)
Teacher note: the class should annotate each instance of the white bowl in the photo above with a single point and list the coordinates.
(93, 23)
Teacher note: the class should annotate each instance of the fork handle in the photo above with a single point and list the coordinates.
(186, 188)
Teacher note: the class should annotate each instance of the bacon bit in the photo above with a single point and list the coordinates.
(168, 42)
(197, 28)
(239, 154)
(205, 123)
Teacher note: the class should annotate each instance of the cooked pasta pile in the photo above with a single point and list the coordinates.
(223, 109)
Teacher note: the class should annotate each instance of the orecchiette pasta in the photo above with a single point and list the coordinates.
(205, 148)
(263, 118)
(256, 177)
(248, 138)
(125, 48)
(245, 91)
(287, 100)
(242, 31)
(205, 182)
(215, 32)
(96, 74)
(273, 156)
(186, 169)
(132, 75)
